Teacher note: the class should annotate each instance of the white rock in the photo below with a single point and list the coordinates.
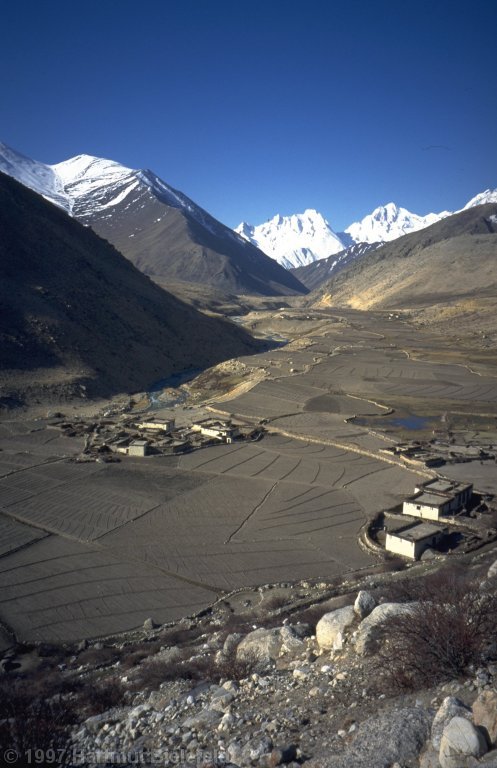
(263, 644)
(364, 604)
(301, 673)
(492, 571)
(460, 742)
(449, 708)
(370, 629)
(331, 624)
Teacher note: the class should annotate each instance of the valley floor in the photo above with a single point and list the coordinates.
(90, 549)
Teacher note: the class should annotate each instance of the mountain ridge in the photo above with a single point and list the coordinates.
(384, 224)
(157, 227)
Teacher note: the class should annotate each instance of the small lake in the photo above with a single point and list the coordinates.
(409, 422)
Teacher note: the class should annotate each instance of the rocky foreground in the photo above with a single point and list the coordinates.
(336, 692)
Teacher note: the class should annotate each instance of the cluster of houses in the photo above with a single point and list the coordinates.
(154, 435)
(438, 452)
(437, 500)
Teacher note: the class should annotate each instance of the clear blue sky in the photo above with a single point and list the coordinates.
(253, 108)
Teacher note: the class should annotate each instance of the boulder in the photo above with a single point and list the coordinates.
(371, 628)
(461, 742)
(254, 750)
(291, 642)
(149, 624)
(261, 644)
(485, 715)
(332, 625)
(231, 643)
(492, 571)
(364, 604)
(449, 708)
(396, 736)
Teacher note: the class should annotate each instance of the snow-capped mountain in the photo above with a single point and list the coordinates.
(86, 186)
(388, 222)
(37, 176)
(294, 241)
(162, 231)
(489, 196)
(299, 240)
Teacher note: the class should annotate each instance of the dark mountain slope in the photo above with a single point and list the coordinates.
(76, 316)
(312, 275)
(166, 242)
(454, 258)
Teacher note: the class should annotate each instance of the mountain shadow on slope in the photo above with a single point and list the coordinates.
(78, 318)
(166, 242)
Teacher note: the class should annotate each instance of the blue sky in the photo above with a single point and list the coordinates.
(253, 108)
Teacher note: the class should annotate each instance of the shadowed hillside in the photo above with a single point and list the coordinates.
(79, 319)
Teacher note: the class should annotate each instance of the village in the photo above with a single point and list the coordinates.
(441, 517)
(107, 439)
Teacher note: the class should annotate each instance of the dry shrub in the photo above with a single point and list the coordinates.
(34, 725)
(95, 698)
(232, 667)
(99, 657)
(180, 635)
(450, 626)
(182, 666)
(150, 674)
(275, 602)
(310, 615)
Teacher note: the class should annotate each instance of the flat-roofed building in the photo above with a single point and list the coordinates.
(157, 425)
(221, 430)
(438, 498)
(412, 540)
(138, 448)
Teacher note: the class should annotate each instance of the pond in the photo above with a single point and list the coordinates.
(409, 422)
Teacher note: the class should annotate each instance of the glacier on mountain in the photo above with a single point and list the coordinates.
(388, 222)
(294, 241)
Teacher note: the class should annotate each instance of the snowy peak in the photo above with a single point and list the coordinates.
(294, 241)
(488, 196)
(388, 222)
(86, 186)
(39, 177)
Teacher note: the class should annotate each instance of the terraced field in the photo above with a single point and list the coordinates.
(92, 549)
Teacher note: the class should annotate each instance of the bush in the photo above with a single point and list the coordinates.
(95, 698)
(451, 626)
(33, 725)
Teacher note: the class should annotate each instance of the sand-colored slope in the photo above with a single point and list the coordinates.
(452, 260)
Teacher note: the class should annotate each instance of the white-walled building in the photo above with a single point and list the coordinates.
(437, 498)
(221, 430)
(157, 425)
(138, 448)
(412, 540)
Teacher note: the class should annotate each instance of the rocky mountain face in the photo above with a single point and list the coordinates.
(319, 271)
(453, 260)
(83, 317)
(163, 232)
